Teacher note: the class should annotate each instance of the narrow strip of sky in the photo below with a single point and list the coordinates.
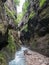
(19, 8)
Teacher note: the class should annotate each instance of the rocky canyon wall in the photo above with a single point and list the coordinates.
(8, 34)
(38, 26)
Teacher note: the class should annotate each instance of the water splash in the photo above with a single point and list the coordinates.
(19, 57)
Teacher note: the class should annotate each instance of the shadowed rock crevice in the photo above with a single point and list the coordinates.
(3, 1)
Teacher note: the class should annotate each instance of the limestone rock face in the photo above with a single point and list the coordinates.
(39, 29)
(38, 26)
(6, 20)
(8, 41)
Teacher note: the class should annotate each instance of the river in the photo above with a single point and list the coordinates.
(19, 57)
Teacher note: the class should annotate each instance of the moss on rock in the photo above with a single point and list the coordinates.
(42, 2)
(2, 59)
(11, 46)
(32, 14)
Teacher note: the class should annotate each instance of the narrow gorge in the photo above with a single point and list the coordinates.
(24, 32)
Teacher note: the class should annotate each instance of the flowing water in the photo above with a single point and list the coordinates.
(19, 58)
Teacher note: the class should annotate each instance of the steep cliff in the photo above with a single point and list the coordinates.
(37, 33)
(8, 35)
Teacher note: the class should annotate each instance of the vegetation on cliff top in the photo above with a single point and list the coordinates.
(25, 6)
(11, 47)
(24, 10)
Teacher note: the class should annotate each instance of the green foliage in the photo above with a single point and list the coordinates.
(11, 46)
(19, 17)
(31, 14)
(25, 28)
(2, 59)
(9, 12)
(17, 2)
(42, 2)
(2, 29)
(25, 6)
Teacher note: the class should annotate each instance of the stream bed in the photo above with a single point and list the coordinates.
(19, 57)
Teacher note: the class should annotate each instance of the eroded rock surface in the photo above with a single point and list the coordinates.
(34, 58)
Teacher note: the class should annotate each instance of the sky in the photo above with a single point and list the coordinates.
(19, 8)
